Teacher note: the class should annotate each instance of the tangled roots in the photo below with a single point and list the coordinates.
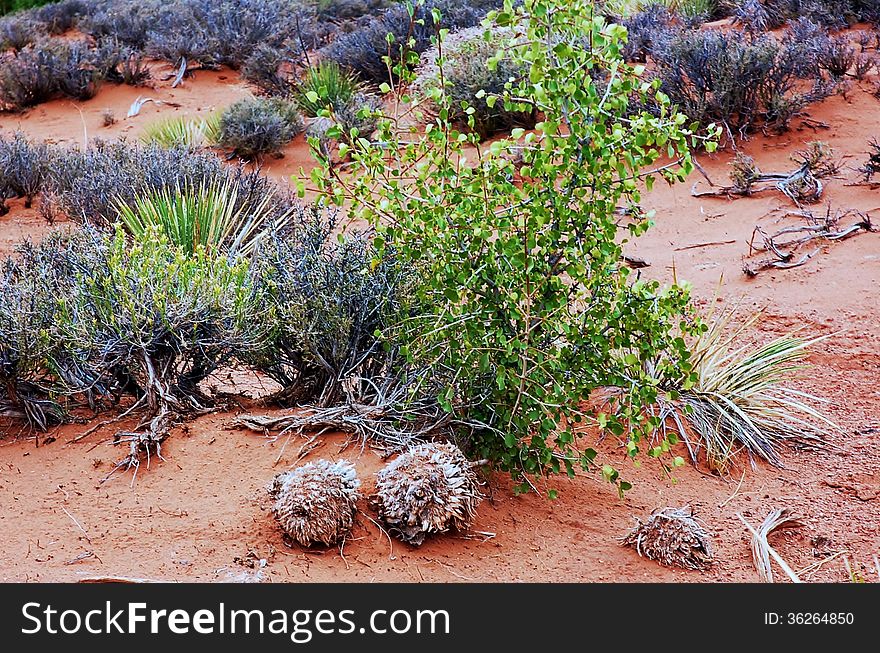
(316, 502)
(672, 537)
(429, 489)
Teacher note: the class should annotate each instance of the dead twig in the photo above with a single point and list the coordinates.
(126, 580)
(825, 228)
(701, 245)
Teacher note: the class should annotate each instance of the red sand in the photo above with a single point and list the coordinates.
(202, 513)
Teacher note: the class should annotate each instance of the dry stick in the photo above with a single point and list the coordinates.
(813, 568)
(118, 579)
(699, 245)
(85, 555)
(760, 546)
(73, 519)
(180, 73)
(390, 541)
(849, 569)
(739, 485)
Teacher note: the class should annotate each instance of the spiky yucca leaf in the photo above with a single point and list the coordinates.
(207, 216)
(326, 85)
(182, 131)
(738, 401)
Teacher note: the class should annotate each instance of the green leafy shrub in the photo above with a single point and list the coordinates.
(254, 127)
(474, 92)
(522, 299)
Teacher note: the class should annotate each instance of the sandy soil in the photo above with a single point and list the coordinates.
(202, 513)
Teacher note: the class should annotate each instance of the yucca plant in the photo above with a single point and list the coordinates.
(206, 216)
(735, 399)
(182, 131)
(326, 85)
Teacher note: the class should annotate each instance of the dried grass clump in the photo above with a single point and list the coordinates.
(316, 502)
(432, 488)
(672, 537)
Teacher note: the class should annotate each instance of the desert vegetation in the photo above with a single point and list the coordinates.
(451, 283)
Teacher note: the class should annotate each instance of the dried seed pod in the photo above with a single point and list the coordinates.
(316, 502)
(672, 537)
(429, 489)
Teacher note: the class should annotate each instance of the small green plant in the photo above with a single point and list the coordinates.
(208, 216)
(326, 86)
(182, 131)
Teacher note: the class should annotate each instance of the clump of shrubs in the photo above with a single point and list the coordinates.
(265, 69)
(17, 33)
(737, 81)
(255, 127)
(40, 72)
(761, 15)
(87, 185)
(475, 92)
(365, 48)
(98, 315)
(131, 309)
(23, 170)
(31, 370)
(644, 28)
(157, 320)
(836, 56)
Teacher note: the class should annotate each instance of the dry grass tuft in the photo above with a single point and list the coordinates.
(672, 537)
(431, 488)
(316, 502)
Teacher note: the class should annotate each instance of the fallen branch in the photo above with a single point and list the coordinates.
(118, 579)
(383, 423)
(784, 251)
(800, 186)
(701, 245)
